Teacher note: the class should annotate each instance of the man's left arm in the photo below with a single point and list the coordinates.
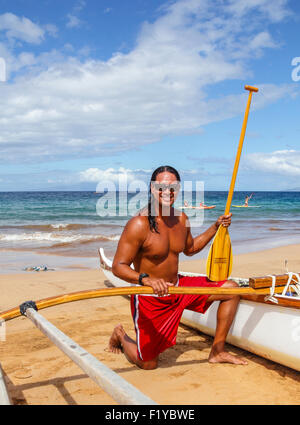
(195, 245)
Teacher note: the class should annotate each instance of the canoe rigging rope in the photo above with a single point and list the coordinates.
(273, 297)
(295, 287)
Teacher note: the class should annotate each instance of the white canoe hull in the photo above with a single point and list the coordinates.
(272, 332)
(268, 330)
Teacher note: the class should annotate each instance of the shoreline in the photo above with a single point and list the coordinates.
(257, 263)
(37, 372)
(17, 259)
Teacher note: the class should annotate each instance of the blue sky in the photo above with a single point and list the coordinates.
(101, 89)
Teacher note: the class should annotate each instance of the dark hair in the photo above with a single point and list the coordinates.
(161, 169)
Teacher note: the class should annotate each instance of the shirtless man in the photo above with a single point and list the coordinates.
(153, 242)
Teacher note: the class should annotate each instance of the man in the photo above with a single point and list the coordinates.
(152, 241)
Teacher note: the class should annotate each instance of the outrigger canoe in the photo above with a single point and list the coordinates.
(266, 325)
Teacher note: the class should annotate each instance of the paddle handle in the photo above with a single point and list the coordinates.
(239, 151)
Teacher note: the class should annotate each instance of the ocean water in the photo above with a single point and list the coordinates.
(65, 229)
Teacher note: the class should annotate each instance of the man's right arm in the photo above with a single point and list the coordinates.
(131, 241)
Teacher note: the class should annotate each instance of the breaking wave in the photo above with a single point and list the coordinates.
(56, 238)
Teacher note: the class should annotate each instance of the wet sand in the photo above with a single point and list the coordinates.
(38, 373)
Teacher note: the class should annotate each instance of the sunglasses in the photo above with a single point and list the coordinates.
(162, 187)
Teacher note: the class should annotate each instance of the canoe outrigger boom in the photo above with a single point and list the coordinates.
(117, 387)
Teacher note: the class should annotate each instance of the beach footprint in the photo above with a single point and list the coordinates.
(23, 373)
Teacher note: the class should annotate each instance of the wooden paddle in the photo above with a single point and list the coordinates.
(219, 260)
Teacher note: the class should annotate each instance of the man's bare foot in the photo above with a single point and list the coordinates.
(115, 342)
(225, 357)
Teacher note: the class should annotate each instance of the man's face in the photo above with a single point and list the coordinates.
(165, 189)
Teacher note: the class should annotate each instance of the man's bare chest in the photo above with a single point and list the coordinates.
(167, 241)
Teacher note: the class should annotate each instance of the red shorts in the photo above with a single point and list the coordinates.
(156, 319)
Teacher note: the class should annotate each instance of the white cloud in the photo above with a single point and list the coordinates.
(15, 31)
(122, 177)
(284, 162)
(79, 6)
(275, 11)
(51, 30)
(95, 175)
(261, 40)
(73, 21)
(24, 29)
(157, 89)
(69, 47)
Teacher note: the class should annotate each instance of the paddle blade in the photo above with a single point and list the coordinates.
(219, 260)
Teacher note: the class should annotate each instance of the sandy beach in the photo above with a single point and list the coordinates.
(38, 373)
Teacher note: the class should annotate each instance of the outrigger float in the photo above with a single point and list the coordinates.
(118, 388)
(267, 322)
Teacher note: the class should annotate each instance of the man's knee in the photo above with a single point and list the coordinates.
(148, 365)
(230, 284)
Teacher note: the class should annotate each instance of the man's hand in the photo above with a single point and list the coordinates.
(160, 286)
(224, 220)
